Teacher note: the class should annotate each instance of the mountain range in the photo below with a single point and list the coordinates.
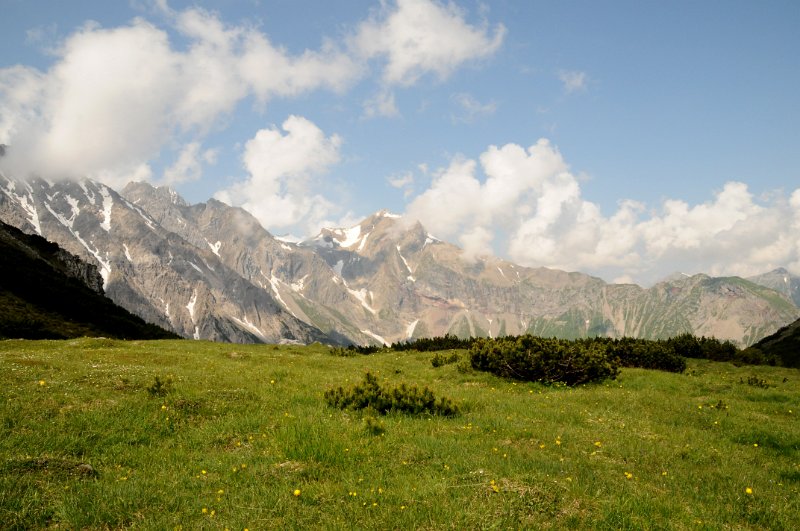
(211, 271)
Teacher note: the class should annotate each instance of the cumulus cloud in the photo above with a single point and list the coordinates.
(189, 164)
(471, 109)
(114, 98)
(528, 201)
(282, 165)
(572, 80)
(403, 182)
(382, 104)
(418, 37)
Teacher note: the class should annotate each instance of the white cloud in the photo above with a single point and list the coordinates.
(404, 182)
(572, 80)
(382, 104)
(115, 97)
(470, 108)
(529, 201)
(189, 164)
(417, 37)
(282, 167)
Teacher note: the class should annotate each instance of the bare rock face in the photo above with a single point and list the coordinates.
(211, 271)
(147, 269)
(781, 281)
(78, 269)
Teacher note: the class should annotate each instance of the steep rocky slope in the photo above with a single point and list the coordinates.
(148, 269)
(46, 292)
(781, 281)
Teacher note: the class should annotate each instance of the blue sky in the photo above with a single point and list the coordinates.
(672, 138)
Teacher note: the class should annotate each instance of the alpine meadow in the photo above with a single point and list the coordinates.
(172, 434)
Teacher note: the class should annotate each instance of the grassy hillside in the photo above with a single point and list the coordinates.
(179, 434)
(783, 345)
(40, 300)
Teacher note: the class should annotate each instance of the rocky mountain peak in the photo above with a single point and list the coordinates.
(211, 271)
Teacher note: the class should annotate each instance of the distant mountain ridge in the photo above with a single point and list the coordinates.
(781, 281)
(48, 293)
(211, 271)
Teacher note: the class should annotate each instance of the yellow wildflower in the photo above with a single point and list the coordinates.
(296, 492)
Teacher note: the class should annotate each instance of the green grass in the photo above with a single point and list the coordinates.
(241, 427)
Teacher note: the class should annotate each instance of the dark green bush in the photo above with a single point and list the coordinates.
(430, 344)
(404, 399)
(159, 387)
(537, 359)
(353, 350)
(439, 359)
(660, 355)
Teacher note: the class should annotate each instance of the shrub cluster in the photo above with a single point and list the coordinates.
(354, 350)
(645, 354)
(404, 399)
(430, 344)
(440, 359)
(537, 359)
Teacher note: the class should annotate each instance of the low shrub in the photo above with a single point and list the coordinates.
(660, 355)
(438, 359)
(353, 350)
(403, 399)
(430, 344)
(159, 387)
(537, 359)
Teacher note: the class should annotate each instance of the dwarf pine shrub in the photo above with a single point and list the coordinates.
(404, 399)
(537, 359)
(661, 355)
(438, 359)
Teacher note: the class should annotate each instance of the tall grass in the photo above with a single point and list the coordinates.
(240, 429)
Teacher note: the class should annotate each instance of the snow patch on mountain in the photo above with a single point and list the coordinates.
(105, 265)
(299, 285)
(127, 253)
(349, 236)
(73, 203)
(376, 336)
(361, 295)
(190, 305)
(410, 329)
(27, 204)
(87, 192)
(404, 260)
(108, 203)
(245, 323)
(363, 242)
(275, 282)
(214, 247)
